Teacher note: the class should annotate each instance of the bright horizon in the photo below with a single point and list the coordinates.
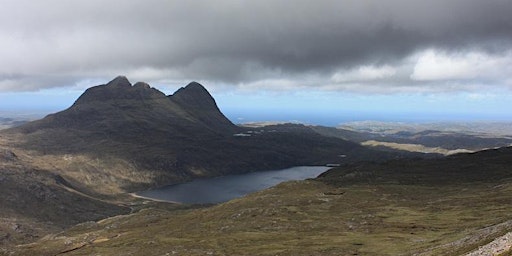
(316, 107)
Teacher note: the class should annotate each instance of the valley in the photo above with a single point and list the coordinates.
(66, 182)
(400, 208)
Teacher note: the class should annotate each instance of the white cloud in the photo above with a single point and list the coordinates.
(364, 73)
(434, 65)
(276, 85)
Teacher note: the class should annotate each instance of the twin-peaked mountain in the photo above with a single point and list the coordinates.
(172, 138)
(121, 108)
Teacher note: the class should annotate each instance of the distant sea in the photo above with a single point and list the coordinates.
(332, 119)
(336, 119)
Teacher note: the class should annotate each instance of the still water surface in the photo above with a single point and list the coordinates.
(221, 189)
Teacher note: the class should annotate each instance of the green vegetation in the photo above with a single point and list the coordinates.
(303, 218)
(359, 210)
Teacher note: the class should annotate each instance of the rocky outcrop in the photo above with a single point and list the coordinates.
(7, 155)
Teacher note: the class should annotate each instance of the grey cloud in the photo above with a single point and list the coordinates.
(236, 41)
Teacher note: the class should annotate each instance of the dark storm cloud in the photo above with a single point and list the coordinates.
(49, 43)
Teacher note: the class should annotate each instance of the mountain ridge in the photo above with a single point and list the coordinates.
(119, 88)
(119, 101)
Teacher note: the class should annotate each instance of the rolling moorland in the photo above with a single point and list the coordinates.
(76, 167)
(406, 207)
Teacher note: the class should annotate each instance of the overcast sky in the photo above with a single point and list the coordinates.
(347, 54)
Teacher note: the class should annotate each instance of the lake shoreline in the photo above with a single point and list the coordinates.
(153, 199)
(224, 188)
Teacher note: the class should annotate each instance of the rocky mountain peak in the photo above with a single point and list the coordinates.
(142, 85)
(119, 88)
(119, 81)
(194, 95)
(120, 108)
(200, 104)
(195, 86)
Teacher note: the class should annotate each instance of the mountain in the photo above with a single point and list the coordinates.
(133, 137)
(120, 108)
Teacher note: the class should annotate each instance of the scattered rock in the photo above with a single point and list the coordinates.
(41, 192)
(335, 192)
(16, 227)
(498, 246)
(7, 155)
(4, 236)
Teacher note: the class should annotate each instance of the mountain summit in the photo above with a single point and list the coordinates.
(199, 103)
(120, 81)
(194, 95)
(119, 89)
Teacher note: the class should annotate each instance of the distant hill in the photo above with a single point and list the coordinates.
(488, 166)
(161, 139)
(8, 122)
(494, 128)
(427, 138)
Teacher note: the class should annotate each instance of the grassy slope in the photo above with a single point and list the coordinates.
(36, 202)
(435, 207)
